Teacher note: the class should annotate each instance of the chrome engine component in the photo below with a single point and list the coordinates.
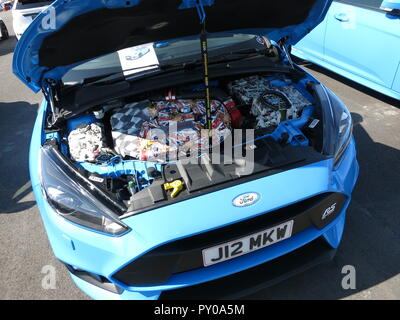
(269, 104)
(86, 142)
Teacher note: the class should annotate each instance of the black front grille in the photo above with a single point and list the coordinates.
(156, 266)
(254, 279)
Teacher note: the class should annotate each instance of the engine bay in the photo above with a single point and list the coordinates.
(132, 148)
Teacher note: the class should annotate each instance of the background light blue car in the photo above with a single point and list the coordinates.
(360, 40)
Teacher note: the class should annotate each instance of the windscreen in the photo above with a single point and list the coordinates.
(139, 58)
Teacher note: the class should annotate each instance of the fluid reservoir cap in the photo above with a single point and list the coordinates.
(153, 172)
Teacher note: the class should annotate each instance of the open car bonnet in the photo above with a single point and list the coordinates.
(71, 32)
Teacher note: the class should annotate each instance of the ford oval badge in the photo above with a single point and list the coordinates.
(246, 199)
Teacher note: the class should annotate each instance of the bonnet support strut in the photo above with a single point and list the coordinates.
(204, 53)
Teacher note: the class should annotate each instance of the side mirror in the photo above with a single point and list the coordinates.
(391, 4)
(392, 7)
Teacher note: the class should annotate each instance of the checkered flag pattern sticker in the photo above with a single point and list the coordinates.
(149, 130)
(129, 119)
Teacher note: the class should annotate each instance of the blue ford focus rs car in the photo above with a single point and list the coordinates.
(360, 40)
(179, 152)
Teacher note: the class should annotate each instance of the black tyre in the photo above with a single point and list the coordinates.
(4, 31)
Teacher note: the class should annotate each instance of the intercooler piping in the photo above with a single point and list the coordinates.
(140, 169)
(292, 128)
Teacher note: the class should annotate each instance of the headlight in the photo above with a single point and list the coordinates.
(342, 126)
(74, 197)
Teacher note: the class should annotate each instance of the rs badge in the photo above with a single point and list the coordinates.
(328, 211)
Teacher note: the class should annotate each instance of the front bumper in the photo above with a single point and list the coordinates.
(101, 257)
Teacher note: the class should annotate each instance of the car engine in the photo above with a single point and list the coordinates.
(127, 146)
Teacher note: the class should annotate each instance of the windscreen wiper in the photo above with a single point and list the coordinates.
(121, 75)
(118, 75)
(233, 56)
(221, 58)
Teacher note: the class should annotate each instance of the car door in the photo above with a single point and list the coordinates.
(311, 47)
(363, 40)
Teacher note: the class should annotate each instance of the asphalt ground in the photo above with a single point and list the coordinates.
(370, 242)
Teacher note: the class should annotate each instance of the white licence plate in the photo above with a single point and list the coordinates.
(247, 244)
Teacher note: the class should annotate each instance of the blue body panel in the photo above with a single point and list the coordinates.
(396, 82)
(104, 255)
(359, 43)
